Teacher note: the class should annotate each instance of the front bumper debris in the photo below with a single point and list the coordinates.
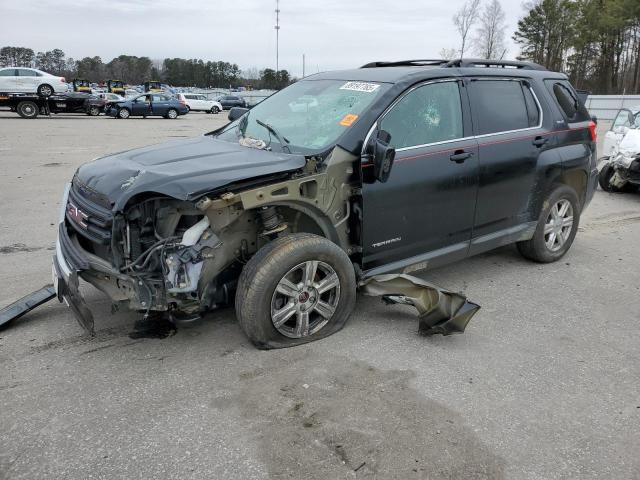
(440, 311)
(26, 304)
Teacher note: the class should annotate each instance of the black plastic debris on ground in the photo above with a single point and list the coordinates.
(26, 304)
(440, 311)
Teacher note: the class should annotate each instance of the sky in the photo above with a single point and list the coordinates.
(333, 34)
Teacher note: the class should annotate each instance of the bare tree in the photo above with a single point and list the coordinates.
(464, 19)
(489, 40)
(448, 53)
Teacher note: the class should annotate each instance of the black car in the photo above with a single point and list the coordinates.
(393, 167)
(230, 101)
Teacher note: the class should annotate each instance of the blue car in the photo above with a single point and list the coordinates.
(149, 104)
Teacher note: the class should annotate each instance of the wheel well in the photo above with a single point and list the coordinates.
(577, 180)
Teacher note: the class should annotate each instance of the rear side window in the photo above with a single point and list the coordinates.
(429, 114)
(533, 111)
(566, 98)
(501, 106)
(567, 101)
(23, 72)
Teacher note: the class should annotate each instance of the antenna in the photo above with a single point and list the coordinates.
(277, 27)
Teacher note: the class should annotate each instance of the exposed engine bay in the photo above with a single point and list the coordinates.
(184, 256)
(621, 170)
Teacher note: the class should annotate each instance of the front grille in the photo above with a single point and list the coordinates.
(72, 254)
(90, 219)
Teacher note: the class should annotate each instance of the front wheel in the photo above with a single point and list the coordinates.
(604, 179)
(215, 110)
(556, 229)
(124, 113)
(172, 113)
(94, 111)
(294, 290)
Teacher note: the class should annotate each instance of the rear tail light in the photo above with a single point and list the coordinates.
(63, 80)
(593, 130)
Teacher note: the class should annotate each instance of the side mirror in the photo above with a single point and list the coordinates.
(632, 119)
(236, 112)
(594, 119)
(383, 156)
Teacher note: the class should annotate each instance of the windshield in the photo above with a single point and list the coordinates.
(306, 117)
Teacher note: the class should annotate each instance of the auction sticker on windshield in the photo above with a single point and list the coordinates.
(360, 87)
(348, 120)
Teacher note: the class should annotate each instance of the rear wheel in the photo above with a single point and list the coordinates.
(45, 90)
(27, 109)
(556, 229)
(172, 113)
(296, 289)
(124, 113)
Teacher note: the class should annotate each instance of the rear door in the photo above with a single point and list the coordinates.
(507, 120)
(27, 80)
(424, 213)
(159, 104)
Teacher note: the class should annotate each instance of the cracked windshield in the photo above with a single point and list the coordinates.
(307, 117)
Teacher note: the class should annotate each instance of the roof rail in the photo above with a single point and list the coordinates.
(460, 62)
(408, 63)
(478, 62)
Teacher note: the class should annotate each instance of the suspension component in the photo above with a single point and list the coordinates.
(271, 221)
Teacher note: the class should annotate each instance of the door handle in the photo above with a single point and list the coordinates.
(540, 141)
(459, 156)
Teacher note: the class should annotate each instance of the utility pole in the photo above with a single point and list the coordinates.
(277, 27)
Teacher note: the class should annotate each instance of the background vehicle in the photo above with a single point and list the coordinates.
(115, 86)
(152, 86)
(31, 80)
(230, 101)
(80, 85)
(626, 119)
(620, 163)
(95, 105)
(394, 167)
(199, 103)
(31, 105)
(146, 105)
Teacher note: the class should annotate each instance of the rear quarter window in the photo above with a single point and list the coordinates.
(566, 98)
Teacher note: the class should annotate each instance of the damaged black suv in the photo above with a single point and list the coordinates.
(342, 176)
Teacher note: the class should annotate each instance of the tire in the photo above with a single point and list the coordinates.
(215, 110)
(551, 246)
(604, 179)
(124, 113)
(45, 90)
(27, 109)
(188, 108)
(172, 114)
(93, 111)
(286, 258)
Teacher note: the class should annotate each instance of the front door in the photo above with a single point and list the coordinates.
(141, 105)
(424, 213)
(8, 80)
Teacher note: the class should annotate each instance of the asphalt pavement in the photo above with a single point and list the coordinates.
(544, 384)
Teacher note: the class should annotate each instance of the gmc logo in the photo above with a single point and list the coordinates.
(77, 215)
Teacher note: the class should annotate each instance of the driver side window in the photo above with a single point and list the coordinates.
(429, 114)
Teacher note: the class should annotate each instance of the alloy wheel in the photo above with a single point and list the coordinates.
(305, 299)
(557, 228)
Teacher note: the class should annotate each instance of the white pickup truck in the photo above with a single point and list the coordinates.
(199, 103)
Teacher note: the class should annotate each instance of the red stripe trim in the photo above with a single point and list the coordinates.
(496, 142)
